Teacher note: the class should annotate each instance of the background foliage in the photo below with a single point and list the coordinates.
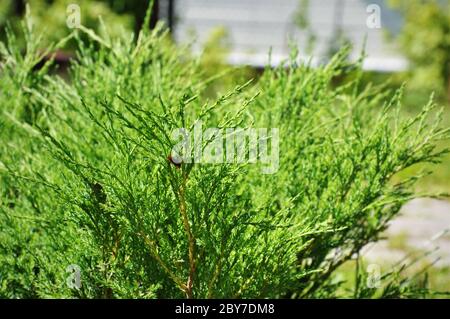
(425, 40)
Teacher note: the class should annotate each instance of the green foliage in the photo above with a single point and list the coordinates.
(51, 17)
(85, 178)
(425, 39)
(214, 64)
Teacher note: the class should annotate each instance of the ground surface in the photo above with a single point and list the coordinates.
(423, 225)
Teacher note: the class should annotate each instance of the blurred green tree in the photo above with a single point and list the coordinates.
(425, 40)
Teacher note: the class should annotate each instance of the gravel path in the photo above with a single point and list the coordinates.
(423, 224)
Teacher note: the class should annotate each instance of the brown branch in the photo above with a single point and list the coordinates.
(216, 274)
(190, 236)
(155, 255)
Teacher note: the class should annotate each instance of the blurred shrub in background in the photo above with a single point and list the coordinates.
(425, 40)
(50, 17)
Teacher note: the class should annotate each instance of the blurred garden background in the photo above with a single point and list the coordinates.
(404, 42)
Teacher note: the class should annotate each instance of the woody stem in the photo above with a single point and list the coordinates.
(190, 236)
